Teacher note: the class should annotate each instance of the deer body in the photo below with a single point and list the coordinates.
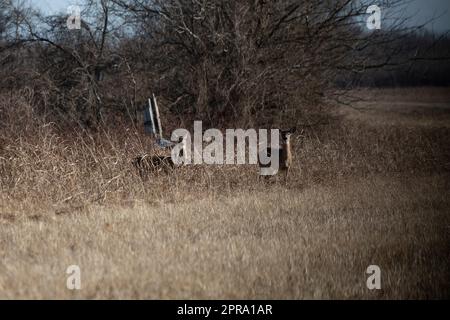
(153, 163)
(284, 153)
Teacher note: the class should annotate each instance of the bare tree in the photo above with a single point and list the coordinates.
(249, 62)
(68, 66)
(246, 60)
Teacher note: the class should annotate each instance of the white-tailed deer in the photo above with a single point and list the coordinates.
(147, 163)
(151, 163)
(284, 153)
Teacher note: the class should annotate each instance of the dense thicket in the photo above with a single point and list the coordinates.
(246, 62)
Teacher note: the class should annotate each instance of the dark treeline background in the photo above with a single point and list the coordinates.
(246, 62)
(423, 61)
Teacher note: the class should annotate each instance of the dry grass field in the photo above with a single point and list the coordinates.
(370, 188)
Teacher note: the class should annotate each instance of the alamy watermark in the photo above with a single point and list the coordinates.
(373, 21)
(241, 147)
(374, 280)
(74, 20)
(73, 281)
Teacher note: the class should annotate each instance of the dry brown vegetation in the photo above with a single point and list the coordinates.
(370, 187)
(369, 183)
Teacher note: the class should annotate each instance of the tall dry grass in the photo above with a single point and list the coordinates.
(45, 164)
(361, 192)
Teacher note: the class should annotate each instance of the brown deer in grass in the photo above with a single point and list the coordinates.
(284, 153)
(154, 163)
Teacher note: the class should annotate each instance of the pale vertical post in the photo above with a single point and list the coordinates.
(149, 121)
(158, 118)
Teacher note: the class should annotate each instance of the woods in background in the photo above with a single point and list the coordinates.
(246, 63)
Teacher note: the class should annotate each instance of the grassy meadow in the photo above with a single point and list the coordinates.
(371, 187)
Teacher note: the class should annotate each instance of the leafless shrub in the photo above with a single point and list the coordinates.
(250, 63)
